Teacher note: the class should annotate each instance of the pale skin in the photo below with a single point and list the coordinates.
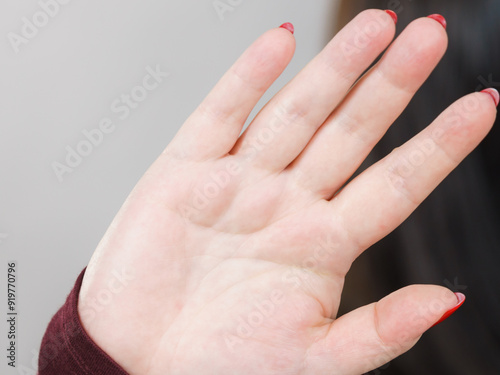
(236, 245)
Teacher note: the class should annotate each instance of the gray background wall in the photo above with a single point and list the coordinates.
(63, 80)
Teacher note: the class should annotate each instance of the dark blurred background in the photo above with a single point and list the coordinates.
(453, 238)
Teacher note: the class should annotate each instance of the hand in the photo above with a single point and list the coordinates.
(235, 246)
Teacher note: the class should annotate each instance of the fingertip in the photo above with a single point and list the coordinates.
(415, 309)
(417, 50)
(478, 112)
(436, 23)
(267, 57)
(365, 36)
(282, 35)
(284, 39)
(431, 31)
(372, 18)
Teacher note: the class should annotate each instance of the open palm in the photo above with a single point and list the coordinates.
(236, 245)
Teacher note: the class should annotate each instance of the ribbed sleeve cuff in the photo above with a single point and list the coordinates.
(66, 347)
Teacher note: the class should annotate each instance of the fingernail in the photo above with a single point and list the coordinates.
(494, 94)
(461, 300)
(438, 18)
(288, 26)
(393, 15)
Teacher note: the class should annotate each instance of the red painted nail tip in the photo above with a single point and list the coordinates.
(438, 18)
(494, 94)
(393, 15)
(461, 300)
(288, 26)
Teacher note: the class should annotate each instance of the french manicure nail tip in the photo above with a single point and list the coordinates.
(494, 95)
(439, 18)
(392, 14)
(460, 302)
(288, 26)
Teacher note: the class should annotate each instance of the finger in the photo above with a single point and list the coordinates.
(368, 337)
(287, 123)
(383, 196)
(213, 128)
(351, 131)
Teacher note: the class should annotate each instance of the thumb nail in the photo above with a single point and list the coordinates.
(460, 302)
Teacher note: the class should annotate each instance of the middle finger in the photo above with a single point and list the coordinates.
(286, 124)
(374, 103)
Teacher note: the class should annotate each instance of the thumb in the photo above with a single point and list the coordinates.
(373, 335)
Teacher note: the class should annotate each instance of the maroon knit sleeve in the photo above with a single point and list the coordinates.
(66, 347)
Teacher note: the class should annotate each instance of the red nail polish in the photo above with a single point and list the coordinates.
(393, 15)
(461, 300)
(288, 26)
(494, 94)
(438, 18)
